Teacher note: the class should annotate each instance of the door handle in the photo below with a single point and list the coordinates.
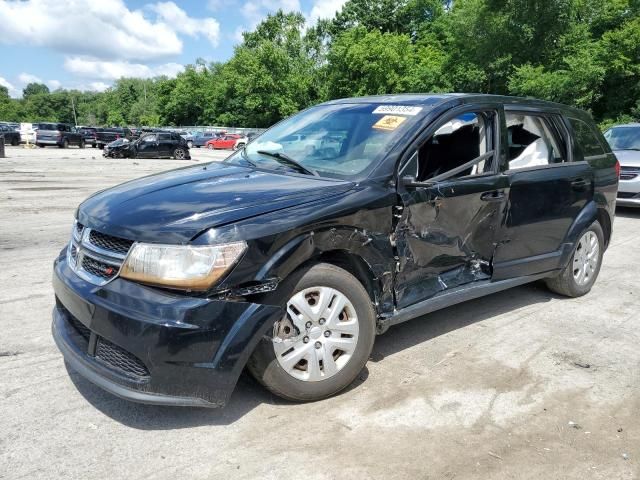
(494, 196)
(579, 183)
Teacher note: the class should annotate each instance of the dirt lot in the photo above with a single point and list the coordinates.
(522, 384)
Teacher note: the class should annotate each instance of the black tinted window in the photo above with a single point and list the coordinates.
(164, 136)
(586, 138)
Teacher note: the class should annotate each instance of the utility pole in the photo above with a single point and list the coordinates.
(73, 107)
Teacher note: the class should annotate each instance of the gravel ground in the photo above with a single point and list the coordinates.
(522, 384)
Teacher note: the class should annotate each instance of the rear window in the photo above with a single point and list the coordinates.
(586, 138)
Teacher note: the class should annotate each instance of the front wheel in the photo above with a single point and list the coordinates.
(81, 145)
(580, 274)
(324, 340)
(64, 144)
(210, 147)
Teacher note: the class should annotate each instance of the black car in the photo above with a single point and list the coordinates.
(10, 134)
(150, 145)
(61, 135)
(289, 258)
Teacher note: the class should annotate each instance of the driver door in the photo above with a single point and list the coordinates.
(148, 146)
(452, 204)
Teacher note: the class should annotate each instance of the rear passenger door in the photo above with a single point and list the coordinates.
(548, 188)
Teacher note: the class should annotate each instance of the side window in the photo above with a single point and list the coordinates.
(586, 139)
(164, 136)
(531, 141)
(456, 143)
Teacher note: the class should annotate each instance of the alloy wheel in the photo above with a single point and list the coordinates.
(585, 258)
(318, 335)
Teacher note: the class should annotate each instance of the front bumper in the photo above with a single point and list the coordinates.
(151, 346)
(629, 192)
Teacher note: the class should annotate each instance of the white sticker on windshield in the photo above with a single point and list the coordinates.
(397, 110)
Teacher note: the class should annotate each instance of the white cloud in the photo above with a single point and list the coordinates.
(53, 84)
(255, 11)
(26, 78)
(13, 91)
(105, 29)
(171, 14)
(324, 9)
(112, 70)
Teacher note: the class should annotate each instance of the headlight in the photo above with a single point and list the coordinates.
(181, 266)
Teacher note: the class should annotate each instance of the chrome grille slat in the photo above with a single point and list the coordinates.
(94, 256)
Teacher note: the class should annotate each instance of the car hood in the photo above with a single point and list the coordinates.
(628, 158)
(175, 206)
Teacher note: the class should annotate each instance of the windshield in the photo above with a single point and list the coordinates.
(623, 138)
(338, 141)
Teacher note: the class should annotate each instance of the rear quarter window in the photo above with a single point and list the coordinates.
(586, 138)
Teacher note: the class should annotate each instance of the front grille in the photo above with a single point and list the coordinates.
(98, 268)
(95, 256)
(107, 242)
(627, 195)
(629, 173)
(119, 359)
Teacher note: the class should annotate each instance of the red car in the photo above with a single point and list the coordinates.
(224, 142)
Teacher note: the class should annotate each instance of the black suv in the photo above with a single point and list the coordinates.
(150, 145)
(291, 255)
(10, 134)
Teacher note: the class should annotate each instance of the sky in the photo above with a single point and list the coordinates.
(87, 44)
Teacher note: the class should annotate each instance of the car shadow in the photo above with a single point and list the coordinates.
(628, 212)
(249, 394)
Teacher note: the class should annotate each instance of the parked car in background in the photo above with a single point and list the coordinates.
(150, 145)
(230, 141)
(28, 133)
(105, 136)
(290, 266)
(201, 138)
(625, 143)
(89, 134)
(188, 136)
(11, 136)
(62, 135)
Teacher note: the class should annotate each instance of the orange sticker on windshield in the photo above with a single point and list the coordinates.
(389, 122)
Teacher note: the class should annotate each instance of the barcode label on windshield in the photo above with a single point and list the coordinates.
(397, 110)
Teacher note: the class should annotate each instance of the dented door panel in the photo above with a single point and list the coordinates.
(446, 236)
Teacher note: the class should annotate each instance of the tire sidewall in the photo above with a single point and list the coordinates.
(264, 364)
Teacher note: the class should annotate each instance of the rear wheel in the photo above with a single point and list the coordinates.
(81, 145)
(580, 274)
(179, 154)
(324, 340)
(15, 142)
(64, 144)
(40, 145)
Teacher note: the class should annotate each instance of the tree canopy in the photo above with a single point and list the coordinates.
(584, 53)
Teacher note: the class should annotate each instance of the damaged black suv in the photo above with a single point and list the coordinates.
(354, 215)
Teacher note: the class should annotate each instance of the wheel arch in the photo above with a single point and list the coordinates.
(366, 256)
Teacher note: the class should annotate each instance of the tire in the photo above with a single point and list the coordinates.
(93, 145)
(40, 145)
(210, 147)
(301, 286)
(179, 154)
(64, 144)
(575, 281)
(239, 146)
(81, 145)
(15, 142)
(100, 146)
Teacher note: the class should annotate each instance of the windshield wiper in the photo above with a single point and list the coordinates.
(290, 162)
(244, 156)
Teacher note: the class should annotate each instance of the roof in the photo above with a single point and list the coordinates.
(433, 99)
